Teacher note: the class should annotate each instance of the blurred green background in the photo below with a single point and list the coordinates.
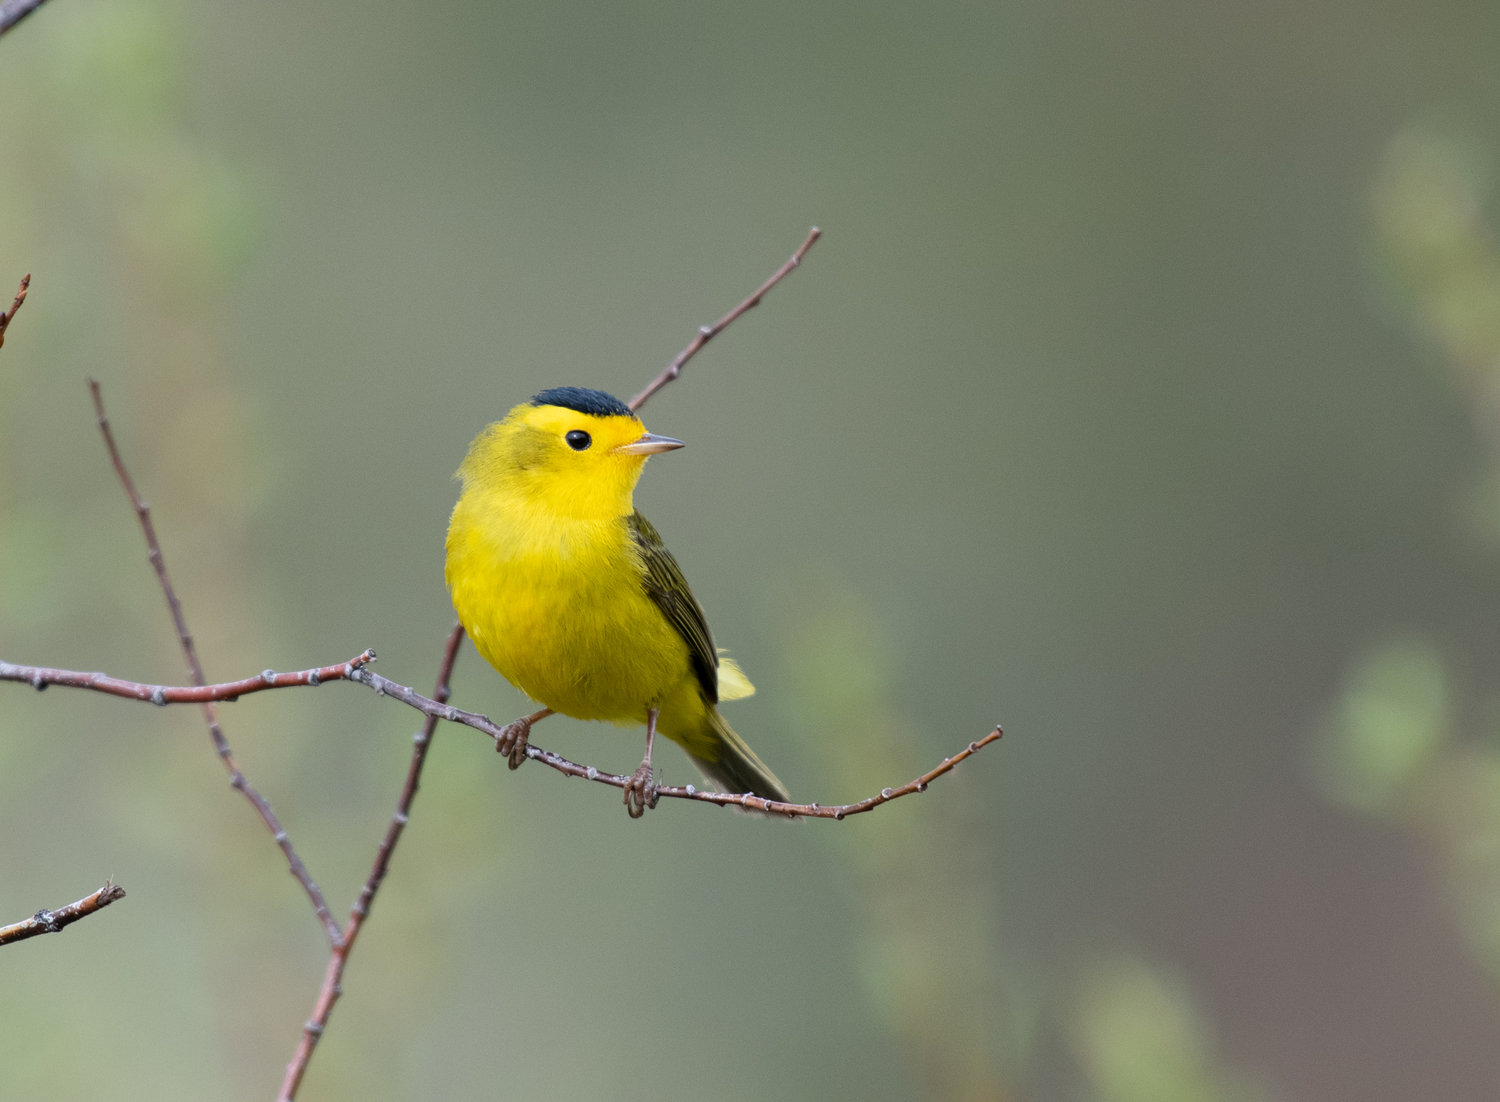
(1144, 395)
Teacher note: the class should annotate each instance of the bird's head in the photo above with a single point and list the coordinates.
(575, 451)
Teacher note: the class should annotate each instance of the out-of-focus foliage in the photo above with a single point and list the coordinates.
(1142, 1038)
(1433, 208)
(1389, 723)
(1403, 743)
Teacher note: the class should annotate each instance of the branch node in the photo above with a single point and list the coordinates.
(313, 678)
(159, 695)
(401, 818)
(268, 676)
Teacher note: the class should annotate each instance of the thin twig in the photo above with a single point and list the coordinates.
(52, 922)
(237, 777)
(707, 333)
(13, 11)
(339, 956)
(8, 316)
(39, 677)
(385, 687)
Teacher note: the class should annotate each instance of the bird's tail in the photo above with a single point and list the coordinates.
(731, 765)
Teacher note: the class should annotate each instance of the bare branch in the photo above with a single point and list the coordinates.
(386, 687)
(357, 669)
(195, 672)
(13, 11)
(39, 677)
(312, 1031)
(8, 316)
(52, 922)
(709, 332)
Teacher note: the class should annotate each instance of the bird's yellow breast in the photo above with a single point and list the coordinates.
(557, 605)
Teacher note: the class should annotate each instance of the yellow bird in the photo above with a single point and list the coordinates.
(570, 593)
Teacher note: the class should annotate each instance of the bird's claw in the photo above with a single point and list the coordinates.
(640, 791)
(513, 740)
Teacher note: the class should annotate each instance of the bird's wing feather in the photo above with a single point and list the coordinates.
(669, 591)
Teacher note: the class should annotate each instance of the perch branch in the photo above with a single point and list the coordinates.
(707, 333)
(52, 922)
(339, 955)
(13, 11)
(9, 315)
(386, 687)
(237, 777)
(435, 708)
(39, 677)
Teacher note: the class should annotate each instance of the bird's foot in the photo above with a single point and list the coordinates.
(515, 736)
(640, 791)
(513, 740)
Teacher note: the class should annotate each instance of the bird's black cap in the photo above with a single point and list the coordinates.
(583, 400)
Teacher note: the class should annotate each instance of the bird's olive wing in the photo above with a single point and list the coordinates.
(668, 589)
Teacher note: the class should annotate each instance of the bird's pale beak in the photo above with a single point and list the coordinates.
(649, 444)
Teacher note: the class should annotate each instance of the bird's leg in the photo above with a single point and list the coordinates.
(640, 790)
(516, 736)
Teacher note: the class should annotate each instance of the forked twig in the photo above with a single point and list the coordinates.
(52, 922)
(195, 673)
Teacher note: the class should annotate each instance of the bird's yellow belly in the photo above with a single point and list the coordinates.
(584, 641)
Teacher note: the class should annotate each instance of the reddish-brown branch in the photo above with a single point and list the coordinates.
(13, 11)
(51, 922)
(39, 677)
(9, 315)
(237, 777)
(385, 687)
(357, 669)
(329, 993)
(707, 333)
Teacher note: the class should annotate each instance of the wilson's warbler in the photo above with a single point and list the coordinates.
(569, 592)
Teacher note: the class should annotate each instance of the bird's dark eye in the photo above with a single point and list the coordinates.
(578, 440)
